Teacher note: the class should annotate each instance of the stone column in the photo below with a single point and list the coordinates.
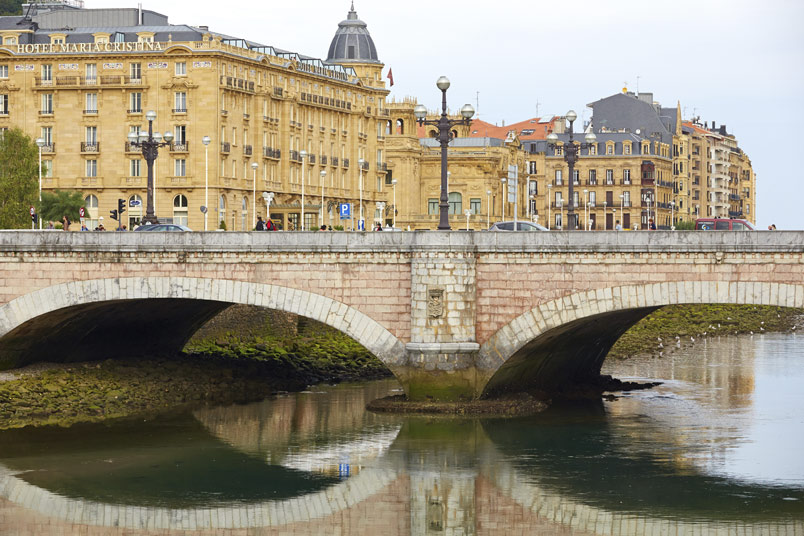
(443, 348)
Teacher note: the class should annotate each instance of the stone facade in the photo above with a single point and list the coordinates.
(447, 312)
(258, 106)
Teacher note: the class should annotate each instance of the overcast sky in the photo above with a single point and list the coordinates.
(735, 62)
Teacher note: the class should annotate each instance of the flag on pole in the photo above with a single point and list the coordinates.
(390, 76)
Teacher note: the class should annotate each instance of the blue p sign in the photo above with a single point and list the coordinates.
(346, 211)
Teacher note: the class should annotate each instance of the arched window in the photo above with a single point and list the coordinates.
(388, 128)
(400, 126)
(244, 215)
(455, 203)
(433, 133)
(180, 213)
(454, 133)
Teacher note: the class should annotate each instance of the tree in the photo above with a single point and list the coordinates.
(19, 179)
(60, 203)
(10, 7)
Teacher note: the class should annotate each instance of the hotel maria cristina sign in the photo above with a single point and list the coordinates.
(72, 48)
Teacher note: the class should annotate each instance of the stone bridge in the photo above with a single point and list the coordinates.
(454, 315)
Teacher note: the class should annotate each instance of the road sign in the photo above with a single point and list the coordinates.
(361, 225)
(513, 176)
(81, 212)
(345, 210)
(33, 211)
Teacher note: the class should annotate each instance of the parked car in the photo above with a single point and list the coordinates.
(521, 226)
(169, 227)
(722, 224)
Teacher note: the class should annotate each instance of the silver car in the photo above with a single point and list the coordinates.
(170, 227)
(520, 226)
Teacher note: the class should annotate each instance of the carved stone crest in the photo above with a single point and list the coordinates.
(435, 302)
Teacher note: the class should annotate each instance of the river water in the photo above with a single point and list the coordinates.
(716, 449)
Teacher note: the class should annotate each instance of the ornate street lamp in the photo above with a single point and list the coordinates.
(444, 125)
(302, 156)
(323, 176)
(205, 140)
(40, 142)
(571, 155)
(150, 142)
(254, 166)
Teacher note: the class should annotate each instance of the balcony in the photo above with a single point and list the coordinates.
(226, 147)
(93, 111)
(323, 160)
(334, 160)
(90, 147)
(382, 166)
(364, 166)
(107, 80)
(345, 163)
(246, 117)
(179, 110)
(49, 148)
(247, 150)
(45, 112)
(278, 91)
(269, 152)
(310, 158)
(130, 148)
(237, 83)
(295, 156)
(135, 110)
(180, 147)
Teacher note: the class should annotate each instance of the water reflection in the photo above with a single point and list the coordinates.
(695, 456)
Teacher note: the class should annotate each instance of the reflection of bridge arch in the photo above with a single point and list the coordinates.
(342, 496)
(143, 314)
(567, 339)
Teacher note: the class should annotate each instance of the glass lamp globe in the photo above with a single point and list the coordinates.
(572, 116)
(443, 83)
(168, 136)
(467, 111)
(420, 111)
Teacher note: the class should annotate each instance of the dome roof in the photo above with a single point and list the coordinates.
(352, 42)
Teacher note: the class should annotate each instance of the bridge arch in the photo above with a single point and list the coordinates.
(29, 320)
(566, 340)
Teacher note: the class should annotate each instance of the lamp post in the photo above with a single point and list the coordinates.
(504, 195)
(468, 213)
(605, 221)
(444, 125)
(393, 183)
(150, 143)
(488, 208)
(532, 208)
(361, 225)
(40, 142)
(648, 212)
(672, 209)
(585, 209)
(268, 197)
(302, 155)
(614, 217)
(205, 140)
(571, 155)
(253, 195)
(549, 206)
(323, 175)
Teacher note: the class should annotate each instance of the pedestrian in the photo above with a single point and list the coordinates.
(260, 224)
(51, 226)
(322, 228)
(65, 222)
(651, 225)
(618, 227)
(773, 227)
(269, 225)
(379, 227)
(84, 227)
(101, 228)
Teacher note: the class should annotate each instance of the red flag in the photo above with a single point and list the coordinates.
(390, 76)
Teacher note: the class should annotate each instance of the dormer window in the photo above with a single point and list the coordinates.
(58, 39)
(10, 40)
(627, 148)
(145, 37)
(609, 148)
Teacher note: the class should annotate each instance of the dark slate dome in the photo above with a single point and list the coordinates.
(352, 42)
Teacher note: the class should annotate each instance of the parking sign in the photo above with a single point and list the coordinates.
(345, 211)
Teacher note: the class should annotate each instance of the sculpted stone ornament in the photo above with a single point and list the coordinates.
(435, 302)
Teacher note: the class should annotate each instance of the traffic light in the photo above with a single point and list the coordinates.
(113, 214)
(121, 207)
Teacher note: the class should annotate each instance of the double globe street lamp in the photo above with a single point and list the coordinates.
(150, 142)
(571, 154)
(444, 126)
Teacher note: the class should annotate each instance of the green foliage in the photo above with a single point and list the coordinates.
(222, 225)
(686, 225)
(10, 7)
(338, 227)
(60, 203)
(19, 179)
